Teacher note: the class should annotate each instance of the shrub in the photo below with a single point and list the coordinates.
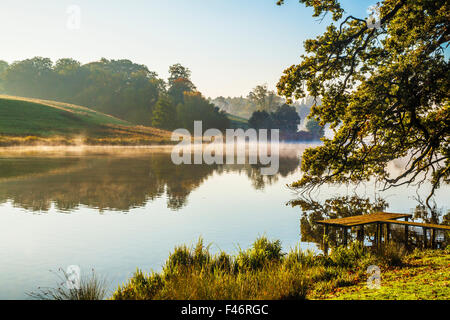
(140, 287)
(348, 257)
(262, 252)
(184, 257)
(180, 258)
(222, 262)
(305, 258)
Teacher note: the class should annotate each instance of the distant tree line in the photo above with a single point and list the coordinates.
(132, 92)
(286, 119)
(260, 98)
(120, 88)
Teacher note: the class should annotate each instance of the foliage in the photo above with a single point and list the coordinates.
(177, 72)
(3, 67)
(263, 252)
(260, 120)
(285, 118)
(239, 106)
(121, 88)
(117, 87)
(348, 257)
(179, 83)
(260, 99)
(164, 114)
(384, 91)
(264, 99)
(196, 107)
(315, 128)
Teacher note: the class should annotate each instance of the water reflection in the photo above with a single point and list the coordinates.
(113, 182)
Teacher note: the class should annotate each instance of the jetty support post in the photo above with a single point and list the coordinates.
(380, 234)
(433, 238)
(325, 239)
(376, 235)
(424, 237)
(388, 233)
(361, 234)
(406, 234)
(345, 236)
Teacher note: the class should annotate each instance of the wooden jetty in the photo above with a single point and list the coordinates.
(383, 221)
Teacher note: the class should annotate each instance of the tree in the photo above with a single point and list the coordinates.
(164, 114)
(260, 120)
(197, 108)
(315, 128)
(33, 76)
(384, 90)
(118, 87)
(179, 82)
(264, 99)
(286, 118)
(3, 67)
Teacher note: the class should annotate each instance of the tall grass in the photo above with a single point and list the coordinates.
(261, 272)
(91, 287)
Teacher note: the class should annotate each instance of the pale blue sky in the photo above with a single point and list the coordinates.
(230, 45)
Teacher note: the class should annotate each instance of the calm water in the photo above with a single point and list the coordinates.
(116, 211)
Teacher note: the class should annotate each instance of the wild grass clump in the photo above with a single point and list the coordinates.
(348, 257)
(261, 253)
(305, 258)
(91, 287)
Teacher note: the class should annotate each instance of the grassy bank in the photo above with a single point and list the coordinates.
(32, 122)
(424, 275)
(265, 272)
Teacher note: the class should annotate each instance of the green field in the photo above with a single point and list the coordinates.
(31, 121)
(238, 122)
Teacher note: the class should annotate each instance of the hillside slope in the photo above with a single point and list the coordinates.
(237, 122)
(34, 121)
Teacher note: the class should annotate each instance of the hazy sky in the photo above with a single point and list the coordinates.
(230, 45)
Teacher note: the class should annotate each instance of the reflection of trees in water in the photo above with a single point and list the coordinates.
(287, 166)
(114, 183)
(337, 207)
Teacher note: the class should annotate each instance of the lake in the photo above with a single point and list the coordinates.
(117, 209)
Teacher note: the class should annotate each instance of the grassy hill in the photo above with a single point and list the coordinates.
(34, 121)
(238, 122)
